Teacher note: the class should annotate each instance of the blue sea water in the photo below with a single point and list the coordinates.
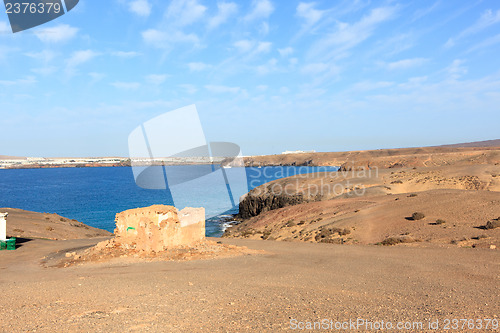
(95, 195)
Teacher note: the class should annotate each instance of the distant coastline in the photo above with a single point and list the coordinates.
(287, 158)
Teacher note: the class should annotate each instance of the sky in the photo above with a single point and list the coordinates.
(267, 75)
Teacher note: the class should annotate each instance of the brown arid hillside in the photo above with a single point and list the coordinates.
(372, 200)
(29, 225)
(384, 158)
(487, 143)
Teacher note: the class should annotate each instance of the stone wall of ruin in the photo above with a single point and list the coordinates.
(159, 227)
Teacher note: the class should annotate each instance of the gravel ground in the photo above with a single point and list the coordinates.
(291, 283)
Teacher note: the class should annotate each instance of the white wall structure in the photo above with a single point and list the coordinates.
(3, 226)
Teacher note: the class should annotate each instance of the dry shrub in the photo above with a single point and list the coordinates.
(417, 216)
(493, 224)
(397, 240)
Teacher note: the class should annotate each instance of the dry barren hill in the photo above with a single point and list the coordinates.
(467, 153)
(487, 143)
(374, 195)
(26, 224)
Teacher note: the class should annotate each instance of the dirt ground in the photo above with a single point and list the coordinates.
(290, 283)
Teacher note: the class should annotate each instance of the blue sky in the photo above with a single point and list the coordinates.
(267, 75)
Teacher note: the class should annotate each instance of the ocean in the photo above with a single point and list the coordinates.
(95, 195)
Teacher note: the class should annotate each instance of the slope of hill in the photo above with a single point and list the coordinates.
(26, 224)
(487, 143)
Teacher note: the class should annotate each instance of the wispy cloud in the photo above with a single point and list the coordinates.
(163, 39)
(485, 43)
(268, 67)
(125, 54)
(26, 80)
(422, 12)
(261, 9)
(178, 15)
(314, 68)
(140, 7)
(486, 20)
(285, 52)
(225, 11)
(198, 66)
(218, 89)
(405, 63)
(308, 13)
(58, 34)
(348, 35)
(4, 27)
(78, 58)
(369, 85)
(156, 79)
(184, 12)
(45, 71)
(456, 70)
(188, 88)
(126, 85)
(44, 56)
(252, 47)
(96, 77)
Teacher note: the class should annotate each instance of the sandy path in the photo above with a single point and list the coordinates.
(247, 293)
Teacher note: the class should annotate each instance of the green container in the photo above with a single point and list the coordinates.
(11, 244)
(3, 245)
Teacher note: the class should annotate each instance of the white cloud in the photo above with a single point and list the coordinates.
(162, 39)
(125, 54)
(284, 90)
(413, 82)
(456, 70)
(405, 63)
(156, 79)
(486, 43)
(267, 68)
(44, 56)
(198, 66)
(486, 20)
(140, 7)
(96, 76)
(252, 48)
(225, 10)
(244, 45)
(179, 14)
(126, 85)
(264, 28)
(58, 34)
(262, 87)
(154, 36)
(189, 88)
(184, 12)
(424, 11)
(222, 89)
(26, 80)
(368, 85)
(261, 9)
(287, 51)
(314, 68)
(347, 36)
(47, 70)
(263, 47)
(4, 27)
(307, 12)
(78, 58)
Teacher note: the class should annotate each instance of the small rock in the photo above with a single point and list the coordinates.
(493, 247)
